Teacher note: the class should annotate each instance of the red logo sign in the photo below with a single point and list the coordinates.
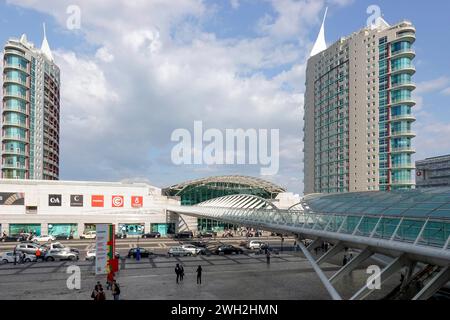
(117, 201)
(97, 201)
(137, 201)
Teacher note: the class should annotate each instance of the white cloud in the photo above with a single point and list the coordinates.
(234, 4)
(104, 55)
(446, 91)
(432, 85)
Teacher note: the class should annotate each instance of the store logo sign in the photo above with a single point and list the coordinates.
(117, 201)
(97, 201)
(76, 200)
(137, 201)
(54, 200)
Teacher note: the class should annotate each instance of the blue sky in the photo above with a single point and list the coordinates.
(136, 71)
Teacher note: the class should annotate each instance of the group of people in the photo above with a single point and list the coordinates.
(98, 294)
(179, 271)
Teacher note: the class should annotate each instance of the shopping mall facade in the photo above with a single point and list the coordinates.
(75, 207)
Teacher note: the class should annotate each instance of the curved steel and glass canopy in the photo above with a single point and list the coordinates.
(196, 191)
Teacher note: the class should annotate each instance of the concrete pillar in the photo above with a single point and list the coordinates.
(5, 228)
(80, 228)
(147, 227)
(44, 228)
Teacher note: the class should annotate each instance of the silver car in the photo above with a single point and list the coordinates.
(57, 254)
(29, 248)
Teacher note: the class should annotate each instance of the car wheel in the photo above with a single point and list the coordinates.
(5, 261)
(50, 259)
(27, 260)
(71, 258)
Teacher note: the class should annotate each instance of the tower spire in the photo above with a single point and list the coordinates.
(45, 48)
(320, 44)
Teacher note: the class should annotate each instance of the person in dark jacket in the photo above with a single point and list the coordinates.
(199, 275)
(178, 272)
(181, 272)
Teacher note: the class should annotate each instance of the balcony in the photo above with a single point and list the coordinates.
(404, 100)
(16, 166)
(14, 152)
(15, 138)
(15, 80)
(406, 36)
(406, 85)
(403, 150)
(410, 69)
(399, 166)
(15, 124)
(14, 109)
(403, 117)
(410, 53)
(15, 95)
(15, 66)
(403, 133)
(403, 183)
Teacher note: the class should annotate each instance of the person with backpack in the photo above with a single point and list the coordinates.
(100, 295)
(116, 290)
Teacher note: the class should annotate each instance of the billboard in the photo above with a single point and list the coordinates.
(12, 199)
(104, 248)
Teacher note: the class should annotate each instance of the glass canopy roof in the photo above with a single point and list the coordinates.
(421, 203)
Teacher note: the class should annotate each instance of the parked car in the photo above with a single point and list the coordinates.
(58, 254)
(8, 257)
(29, 248)
(257, 245)
(207, 234)
(58, 246)
(91, 254)
(43, 238)
(120, 235)
(151, 235)
(63, 236)
(179, 251)
(89, 235)
(184, 235)
(12, 238)
(144, 253)
(228, 249)
(193, 249)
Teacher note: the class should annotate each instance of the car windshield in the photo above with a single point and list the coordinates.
(58, 245)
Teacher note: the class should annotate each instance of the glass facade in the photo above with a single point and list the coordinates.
(395, 115)
(163, 228)
(63, 229)
(131, 229)
(15, 229)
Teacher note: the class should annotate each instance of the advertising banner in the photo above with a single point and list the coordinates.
(117, 201)
(54, 200)
(12, 199)
(97, 201)
(105, 248)
(137, 201)
(76, 200)
(101, 249)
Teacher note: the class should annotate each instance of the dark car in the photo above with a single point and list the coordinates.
(14, 238)
(120, 235)
(207, 234)
(144, 253)
(151, 235)
(228, 249)
(184, 235)
(63, 236)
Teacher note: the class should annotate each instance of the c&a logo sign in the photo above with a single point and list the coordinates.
(117, 201)
(54, 200)
(137, 201)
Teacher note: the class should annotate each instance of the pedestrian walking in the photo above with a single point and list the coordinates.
(110, 280)
(116, 290)
(344, 262)
(95, 291)
(15, 256)
(38, 254)
(178, 272)
(101, 296)
(268, 257)
(199, 274)
(181, 272)
(138, 254)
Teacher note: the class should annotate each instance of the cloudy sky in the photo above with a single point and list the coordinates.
(136, 70)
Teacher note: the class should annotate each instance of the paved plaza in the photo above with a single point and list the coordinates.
(289, 276)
